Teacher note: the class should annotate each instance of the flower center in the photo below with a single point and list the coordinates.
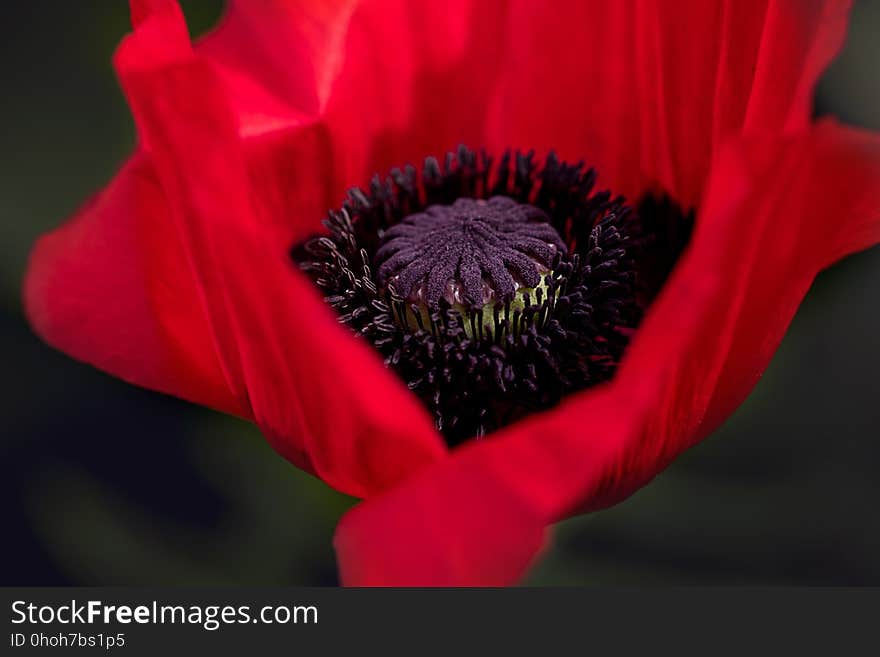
(473, 254)
(493, 288)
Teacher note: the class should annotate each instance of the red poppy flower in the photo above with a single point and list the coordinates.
(177, 276)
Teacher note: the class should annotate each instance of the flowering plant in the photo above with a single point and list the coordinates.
(490, 342)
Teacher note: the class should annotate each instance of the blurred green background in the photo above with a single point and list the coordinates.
(105, 483)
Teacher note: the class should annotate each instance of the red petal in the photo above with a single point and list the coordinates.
(460, 528)
(351, 87)
(362, 86)
(776, 213)
(836, 192)
(325, 401)
(112, 286)
(94, 288)
(387, 81)
(644, 90)
(179, 237)
(610, 82)
(416, 80)
(277, 61)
